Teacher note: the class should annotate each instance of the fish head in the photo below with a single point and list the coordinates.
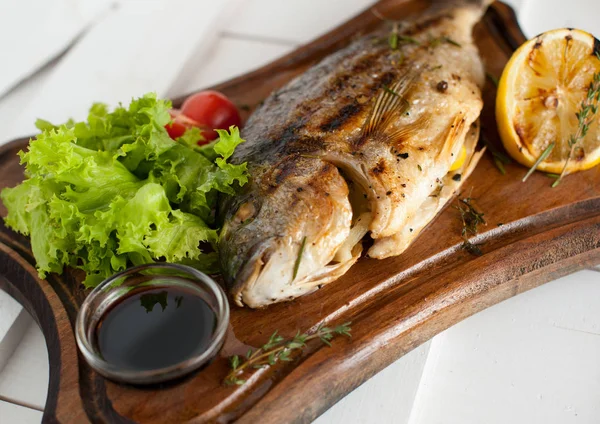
(280, 237)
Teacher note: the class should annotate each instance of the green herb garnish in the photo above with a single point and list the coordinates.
(585, 118)
(393, 38)
(542, 157)
(500, 159)
(451, 41)
(299, 258)
(471, 220)
(499, 165)
(116, 190)
(279, 349)
(434, 42)
(492, 78)
(408, 40)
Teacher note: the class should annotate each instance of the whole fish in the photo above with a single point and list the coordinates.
(374, 139)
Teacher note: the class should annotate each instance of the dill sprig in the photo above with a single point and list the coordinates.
(585, 118)
(471, 219)
(279, 349)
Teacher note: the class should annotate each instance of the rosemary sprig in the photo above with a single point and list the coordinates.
(542, 157)
(299, 258)
(585, 118)
(279, 349)
(471, 219)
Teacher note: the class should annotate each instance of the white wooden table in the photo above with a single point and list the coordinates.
(530, 359)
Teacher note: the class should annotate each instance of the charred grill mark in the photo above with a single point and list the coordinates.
(364, 64)
(304, 145)
(341, 117)
(520, 131)
(281, 171)
(531, 59)
(290, 132)
(288, 167)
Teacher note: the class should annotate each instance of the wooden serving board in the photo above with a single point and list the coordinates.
(394, 305)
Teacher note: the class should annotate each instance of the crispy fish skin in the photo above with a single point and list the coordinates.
(361, 142)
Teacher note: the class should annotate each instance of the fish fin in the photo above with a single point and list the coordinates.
(407, 131)
(389, 103)
(454, 136)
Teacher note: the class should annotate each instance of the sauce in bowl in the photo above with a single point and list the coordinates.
(152, 323)
(155, 328)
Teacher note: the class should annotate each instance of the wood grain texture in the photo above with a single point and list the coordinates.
(394, 304)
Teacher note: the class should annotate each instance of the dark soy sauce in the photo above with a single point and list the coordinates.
(154, 328)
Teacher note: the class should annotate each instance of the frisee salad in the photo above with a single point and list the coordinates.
(116, 190)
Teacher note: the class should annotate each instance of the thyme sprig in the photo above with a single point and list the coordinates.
(279, 349)
(585, 118)
(471, 220)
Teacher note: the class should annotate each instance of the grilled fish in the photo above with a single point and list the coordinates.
(367, 141)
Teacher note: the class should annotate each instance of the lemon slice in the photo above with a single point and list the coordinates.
(540, 93)
(460, 160)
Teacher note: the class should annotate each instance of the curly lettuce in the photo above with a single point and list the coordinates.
(116, 190)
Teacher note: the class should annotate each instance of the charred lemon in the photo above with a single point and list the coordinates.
(547, 100)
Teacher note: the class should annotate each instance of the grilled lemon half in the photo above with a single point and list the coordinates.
(539, 96)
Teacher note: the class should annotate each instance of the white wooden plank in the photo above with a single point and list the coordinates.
(386, 397)
(25, 376)
(18, 99)
(15, 414)
(228, 58)
(138, 47)
(294, 21)
(14, 322)
(39, 31)
(530, 359)
(537, 16)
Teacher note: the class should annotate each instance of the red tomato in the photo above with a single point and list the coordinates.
(213, 110)
(176, 128)
(181, 123)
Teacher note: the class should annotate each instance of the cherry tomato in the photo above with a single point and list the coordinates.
(212, 110)
(176, 128)
(181, 123)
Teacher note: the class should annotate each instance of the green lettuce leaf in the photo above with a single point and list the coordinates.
(115, 191)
